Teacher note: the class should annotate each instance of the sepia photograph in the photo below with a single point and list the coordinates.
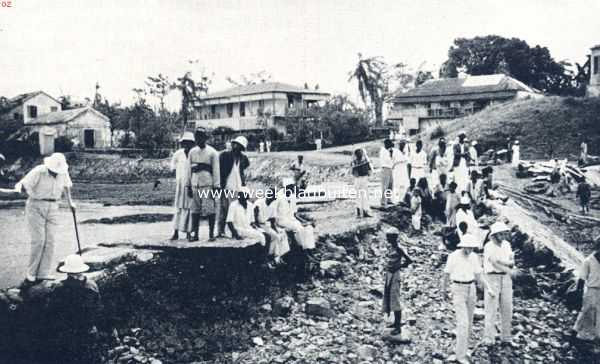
(299, 181)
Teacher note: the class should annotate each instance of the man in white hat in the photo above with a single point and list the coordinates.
(204, 162)
(498, 263)
(73, 311)
(463, 269)
(232, 164)
(44, 186)
(180, 163)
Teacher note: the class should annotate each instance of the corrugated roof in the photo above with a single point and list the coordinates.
(65, 116)
(470, 85)
(260, 88)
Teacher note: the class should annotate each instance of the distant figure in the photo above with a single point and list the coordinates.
(401, 169)
(361, 170)
(268, 145)
(418, 162)
(417, 210)
(261, 147)
(408, 194)
(180, 163)
(300, 173)
(288, 219)
(452, 203)
(440, 161)
(440, 192)
(392, 293)
(509, 145)
(318, 143)
(44, 186)
(584, 192)
(583, 157)
(73, 311)
(473, 154)
(386, 160)
(460, 162)
(587, 325)
(232, 167)
(155, 185)
(516, 154)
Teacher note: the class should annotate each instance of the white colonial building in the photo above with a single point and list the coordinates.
(253, 107)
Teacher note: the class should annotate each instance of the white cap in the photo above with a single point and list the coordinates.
(188, 136)
(74, 264)
(57, 163)
(465, 200)
(392, 231)
(498, 227)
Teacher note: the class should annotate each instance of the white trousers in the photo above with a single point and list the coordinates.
(503, 303)
(361, 185)
(463, 299)
(252, 234)
(305, 235)
(279, 242)
(42, 224)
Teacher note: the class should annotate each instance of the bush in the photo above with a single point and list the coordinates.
(63, 144)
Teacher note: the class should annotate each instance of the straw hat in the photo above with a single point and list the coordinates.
(188, 136)
(74, 264)
(241, 140)
(56, 163)
(468, 241)
(498, 227)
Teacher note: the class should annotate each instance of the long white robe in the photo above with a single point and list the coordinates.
(400, 178)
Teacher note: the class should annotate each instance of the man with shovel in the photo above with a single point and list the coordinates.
(44, 186)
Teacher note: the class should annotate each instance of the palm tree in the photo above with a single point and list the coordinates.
(371, 74)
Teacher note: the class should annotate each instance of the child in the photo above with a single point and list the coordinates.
(584, 192)
(397, 260)
(416, 210)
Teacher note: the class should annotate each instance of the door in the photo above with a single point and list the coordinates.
(88, 138)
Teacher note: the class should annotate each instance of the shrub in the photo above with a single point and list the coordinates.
(63, 144)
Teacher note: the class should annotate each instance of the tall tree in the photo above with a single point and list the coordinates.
(159, 86)
(191, 92)
(371, 75)
(495, 54)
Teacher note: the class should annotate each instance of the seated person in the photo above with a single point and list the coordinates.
(265, 219)
(408, 194)
(240, 216)
(286, 211)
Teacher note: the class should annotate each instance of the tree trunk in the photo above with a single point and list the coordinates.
(378, 113)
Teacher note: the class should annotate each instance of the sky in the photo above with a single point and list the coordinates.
(65, 46)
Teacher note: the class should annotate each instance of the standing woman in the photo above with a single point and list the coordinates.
(401, 179)
(516, 154)
(361, 170)
(180, 163)
(44, 185)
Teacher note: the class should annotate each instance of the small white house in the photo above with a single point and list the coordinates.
(28, 106)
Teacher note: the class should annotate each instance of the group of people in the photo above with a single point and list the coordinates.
(212, 186)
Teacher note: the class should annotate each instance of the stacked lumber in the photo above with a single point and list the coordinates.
(541, 171)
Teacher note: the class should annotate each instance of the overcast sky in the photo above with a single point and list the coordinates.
(65, 46)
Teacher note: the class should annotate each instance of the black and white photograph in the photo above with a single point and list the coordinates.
(299, 181)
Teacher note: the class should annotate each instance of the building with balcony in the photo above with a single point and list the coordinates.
(434, 101)
(593, 88)
(253, 107)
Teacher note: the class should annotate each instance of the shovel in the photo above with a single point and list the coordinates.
(76, 232)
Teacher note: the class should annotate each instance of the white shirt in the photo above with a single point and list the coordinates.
(385, 159)
(418, 160)
(240, 217)
(286, 207)
(234, 180)
(462, 268)
(265, 212)
(40, 185)
(502, 252)
(180, 163)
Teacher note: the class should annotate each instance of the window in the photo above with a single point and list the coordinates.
(53, 109)
(261, 104)
(32, 111)
(290, 101)
(213, 111)
(242, 109)
(596, 64)
(229, 110)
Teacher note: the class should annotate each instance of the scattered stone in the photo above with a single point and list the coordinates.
(283, 306)
(319, 307)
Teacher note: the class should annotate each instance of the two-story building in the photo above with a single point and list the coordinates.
(253, 107)
(28, 106)
(593, 88)
(437, 100)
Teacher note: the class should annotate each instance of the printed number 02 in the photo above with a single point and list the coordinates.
(6, 4)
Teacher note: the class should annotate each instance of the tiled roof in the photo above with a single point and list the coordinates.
(468, 86)
(260, 88)
(65, 116)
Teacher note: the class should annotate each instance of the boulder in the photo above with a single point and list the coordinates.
(319, 307)
(282, 306)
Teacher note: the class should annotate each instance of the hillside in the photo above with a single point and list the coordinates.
(552, 125)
